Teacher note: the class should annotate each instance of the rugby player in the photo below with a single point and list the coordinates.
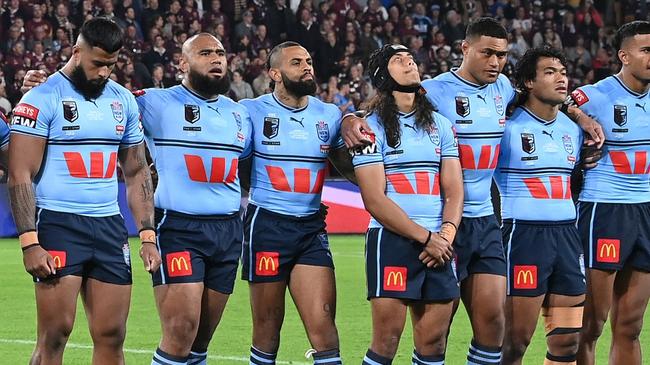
(285, 242)
(614, 205)
(475, 97)
(196, 136)
(411, 183)
(539, 151)
(67, 137)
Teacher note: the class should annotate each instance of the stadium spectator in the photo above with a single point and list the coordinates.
(241, 88)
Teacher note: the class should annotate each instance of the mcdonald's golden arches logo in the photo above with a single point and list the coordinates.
(395, 278)
(608, 250)
(267, 263)
(179, 264)
(525, 277)
(59, 258)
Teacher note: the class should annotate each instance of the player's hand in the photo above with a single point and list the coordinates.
(439, 250)
(150, 257)
(355, 131)
(590, 155)
(32, 79)
(38, 262)
(593, 130)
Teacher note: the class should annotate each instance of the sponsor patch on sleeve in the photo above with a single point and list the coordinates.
(579, 97)
(25, 115)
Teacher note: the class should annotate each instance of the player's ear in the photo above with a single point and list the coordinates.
(275, 74)
(529, 84)
(622, 55)
(182, 64)
(464, 46)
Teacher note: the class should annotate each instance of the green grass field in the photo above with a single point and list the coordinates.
(232, 340)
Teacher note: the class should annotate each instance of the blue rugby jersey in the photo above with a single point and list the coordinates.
(290, 149)
(4, 130)
(478, 114)
(535, 164)
(621, 176)
(412, 167)
(78, 172)
(196, 145)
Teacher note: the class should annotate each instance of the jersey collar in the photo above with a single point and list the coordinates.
(289, 108)
(199, 96)
(634, 93)
(543, 121)
(455, 74)
(406, 115)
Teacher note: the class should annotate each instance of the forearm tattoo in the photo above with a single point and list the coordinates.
(23, 207)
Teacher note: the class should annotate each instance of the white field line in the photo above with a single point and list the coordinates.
(143, 351)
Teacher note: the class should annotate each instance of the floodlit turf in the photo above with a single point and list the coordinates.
(232, 340)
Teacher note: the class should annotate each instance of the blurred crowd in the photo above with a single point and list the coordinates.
(340, 34)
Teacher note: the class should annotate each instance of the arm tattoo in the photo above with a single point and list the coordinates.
(23, 206)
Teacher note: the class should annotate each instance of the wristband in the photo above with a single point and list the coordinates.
(27, 238)
(450, 222)
(27, 247)
(146, 229)
(152, 242)
(428, 239)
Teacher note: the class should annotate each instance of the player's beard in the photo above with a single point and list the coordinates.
(206, 85)
(90, 89)
(299, 88)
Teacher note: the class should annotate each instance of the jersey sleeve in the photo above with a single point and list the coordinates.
(433, 88)
(145, 102)
(509, 92)
(133, 133)
(337, 140)
(34, 113)
(588, 99)
(248, 138)
(4, 130)
(448, 139)
(373, 153)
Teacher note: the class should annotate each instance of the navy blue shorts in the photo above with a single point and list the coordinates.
(543, 257)
(90, 247)
(478, 247)
(198, 249)
(615, 235)
(393, 270)
(274, 243)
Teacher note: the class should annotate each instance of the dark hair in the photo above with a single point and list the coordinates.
(383, 104)
(526, 69)
(272, 57)
(103, 33)
(629, 30)
(485, 27)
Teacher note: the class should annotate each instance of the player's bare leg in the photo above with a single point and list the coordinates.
(388, 320)
(562, 321)
(521, 319)
(631, 293)
(212, 307)
(598, 301)
(179, 309)
(429, 331)
(107, 308)
(267, 306)
(313, 289)
(484, 298)
(56, 307)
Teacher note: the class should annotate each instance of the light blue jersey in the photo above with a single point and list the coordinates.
(4, 130)
(621, 176)
(78, 172)
(412, 166)
(196, 145)
(290, 151)
(535, 165)
(478, 114)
